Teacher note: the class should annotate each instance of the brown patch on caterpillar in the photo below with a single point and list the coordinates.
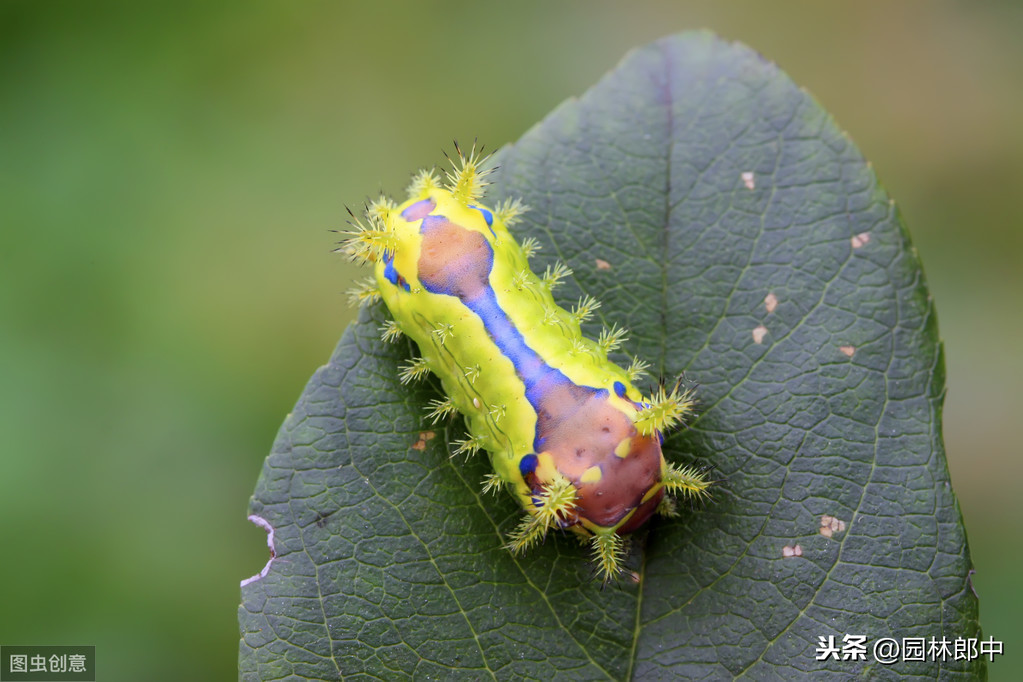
(625, 481)
(580, 430)
(453, 260)
(643, 512)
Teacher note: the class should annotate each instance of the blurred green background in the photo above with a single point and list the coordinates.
(168, 177)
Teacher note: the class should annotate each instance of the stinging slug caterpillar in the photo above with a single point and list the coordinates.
(567, 432)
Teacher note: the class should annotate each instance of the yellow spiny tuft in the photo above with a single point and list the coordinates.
(686, 481)
(390, 332)
(492, 483)
(611, 339)
(444, 332)
(498, 412)
(414, 370)
(665, 411)
(422, 182)
(469, 446)
(579, 347)
(367, 243)
(583, 310)
(380, 210)
(364, 291)
(473, 373)
(608, 551)
(667, 507)
(509, 211)
(439, 409)
(637, 369)
(520, 279)
(529, 247)
(556, 502)
(552, 276)
(466, 180)
(551, 314)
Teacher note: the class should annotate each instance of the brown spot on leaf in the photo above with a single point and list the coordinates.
(602, 264)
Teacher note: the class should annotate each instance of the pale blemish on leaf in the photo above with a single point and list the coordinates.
(265, 525)
(759, 333)
(770, 302)
(860, 239)
(831, 525)
(602, 264)
(749, 180)
(424, 438)
(848, 351)
(789, 551)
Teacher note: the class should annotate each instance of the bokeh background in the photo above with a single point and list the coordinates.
(168, 177)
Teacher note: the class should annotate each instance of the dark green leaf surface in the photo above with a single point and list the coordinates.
(798, 305)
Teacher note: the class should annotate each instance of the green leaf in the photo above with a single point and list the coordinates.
(717, 211)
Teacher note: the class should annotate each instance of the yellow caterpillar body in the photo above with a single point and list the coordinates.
(567, 432)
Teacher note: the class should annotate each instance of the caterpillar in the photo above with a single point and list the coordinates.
(566, 430)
